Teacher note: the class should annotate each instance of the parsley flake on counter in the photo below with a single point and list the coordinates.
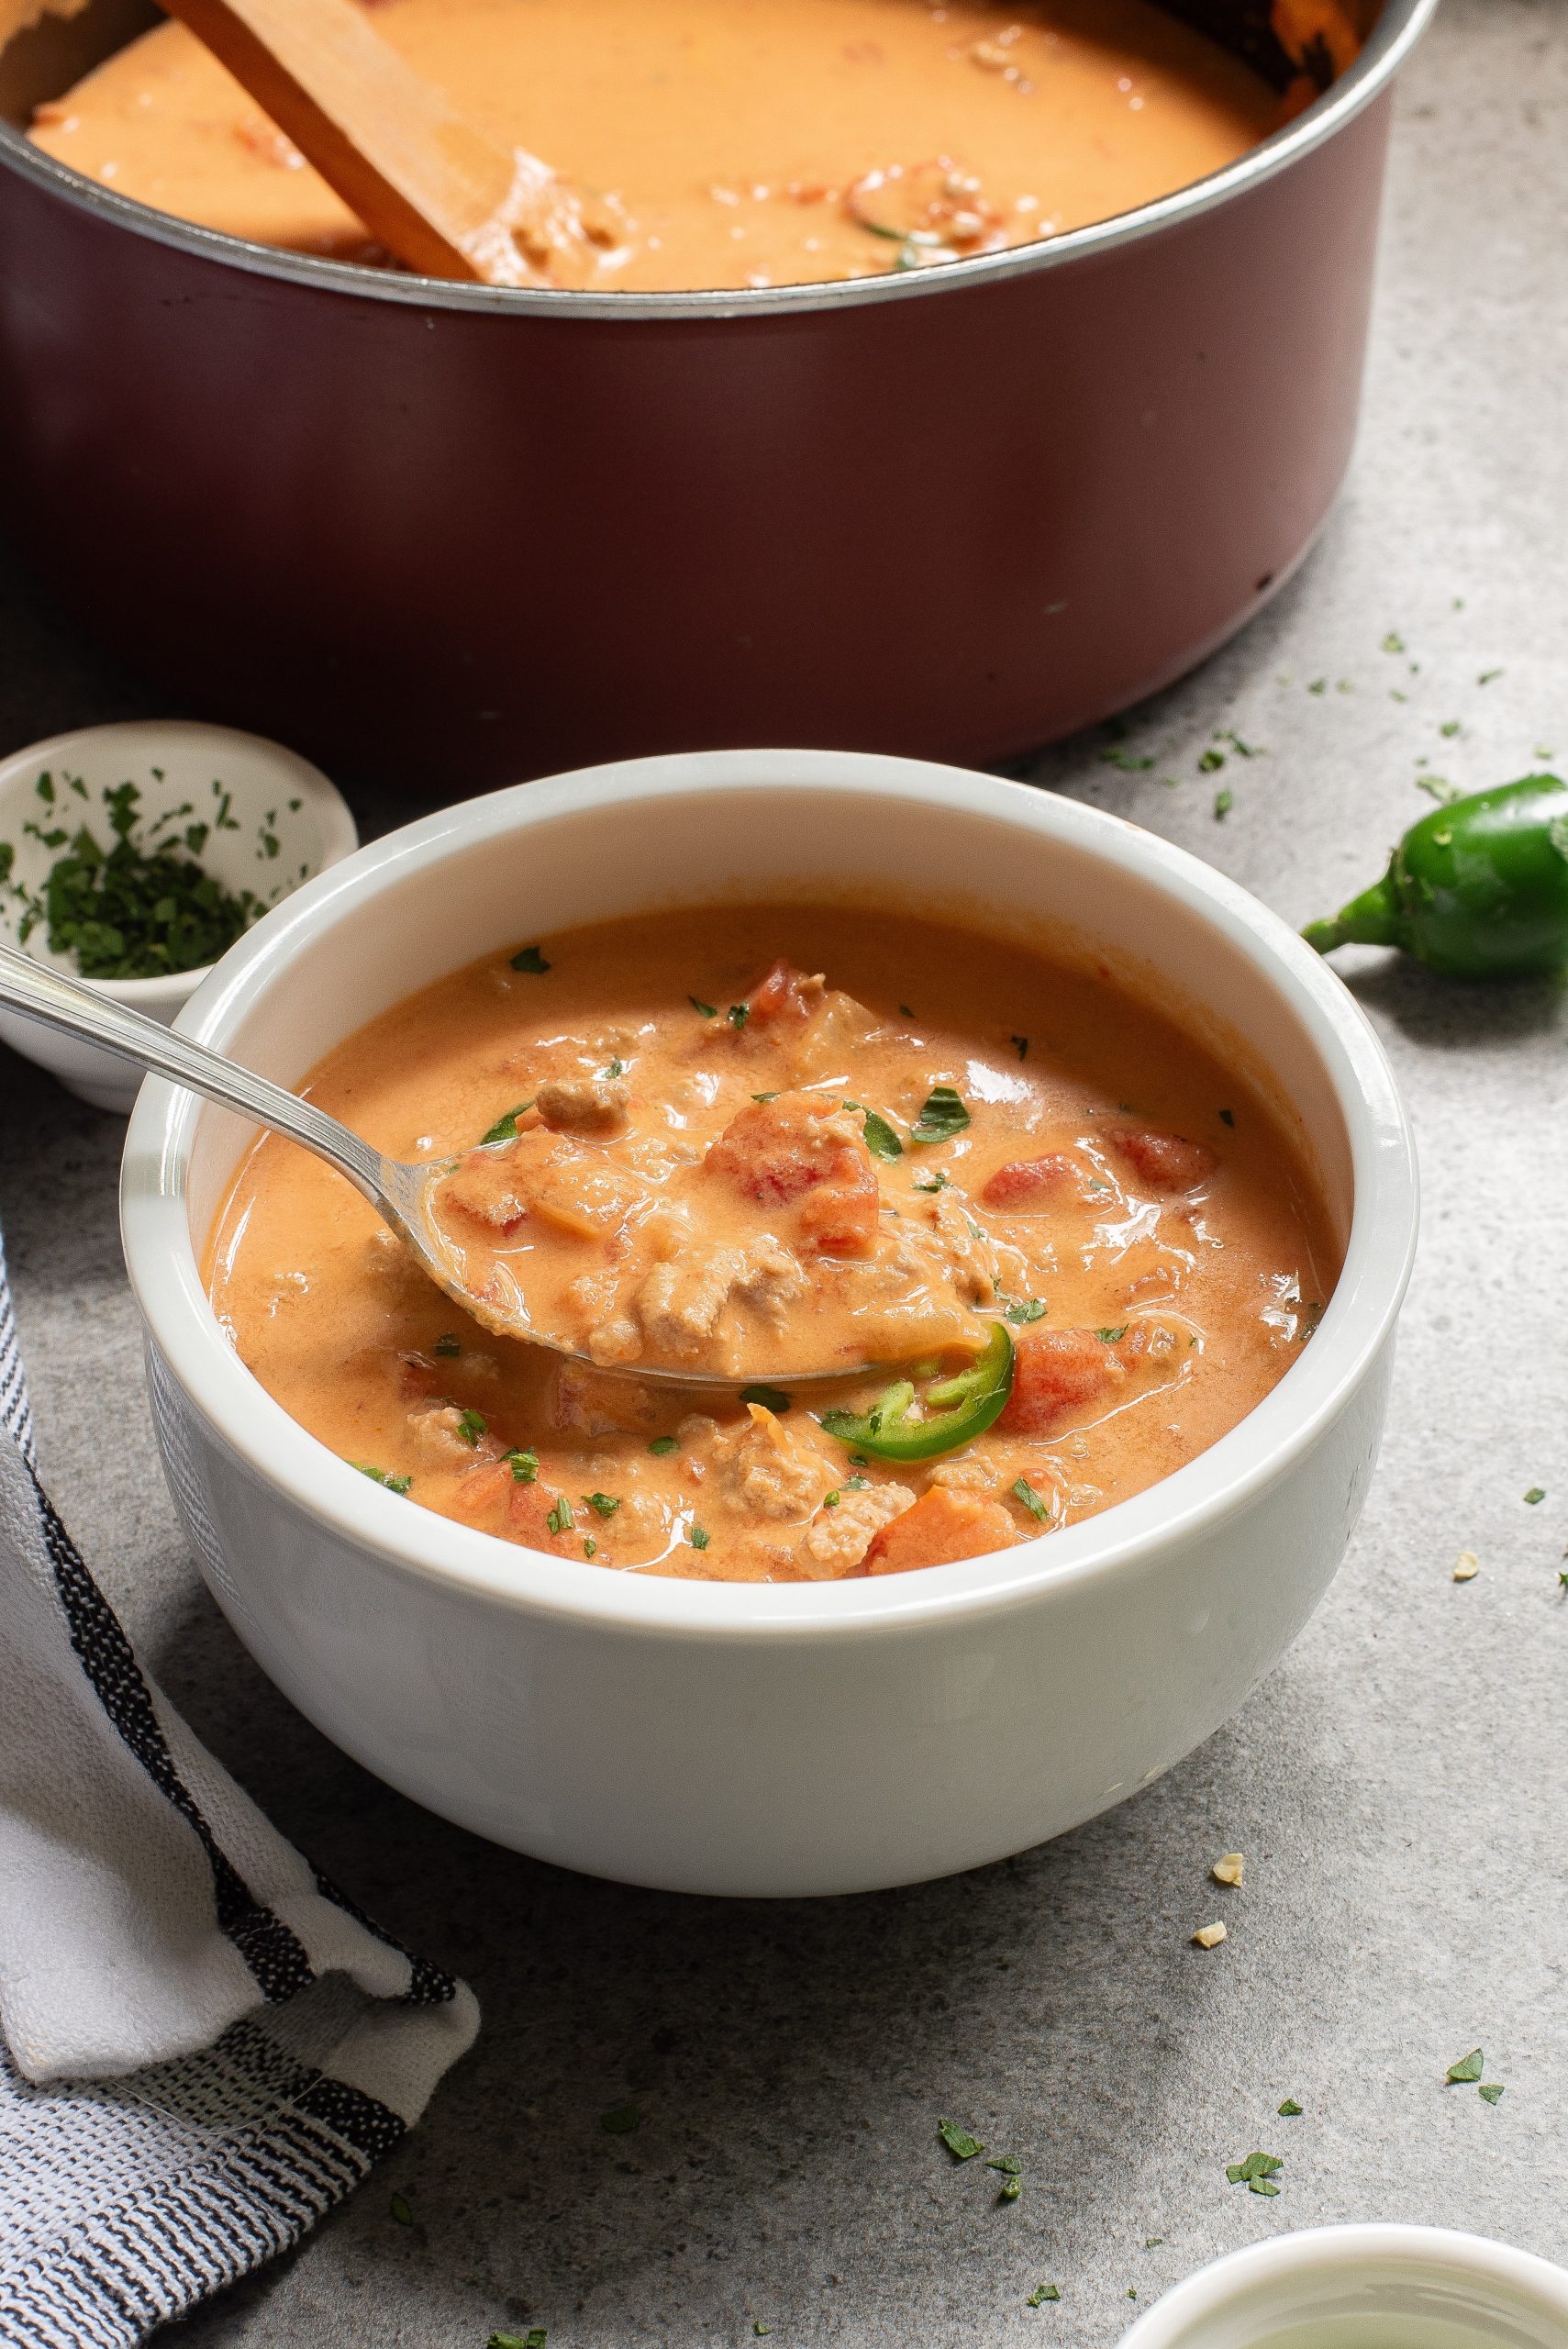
(620, 2120)
(1258, 2171)
(738, 1014)
(663, 1446)
(1491, 2090)
(1223, 803)
(959, 2143)
(470, 1426)
(697, 1538)
(1537, 1493)
(942, 1117)
(447, 1346)
(770, 1398)
(762, 2329)
(382, 1477)
(1012, 2178)
(560, 1517)
(1153, 2242)
(1469, 2067)
(881, 1140)
(1025, 1308)
(1126, 760)
(1393, 641)
(1290, 2110)
(603, 1504)
(1487, 676)
(524, 1466)
(1041, 2293)
(400, 2211)
(534, 2339)
(707, 1011)
(1024, 1491)
(529, 959)
(505, 1129)
(1211, 763)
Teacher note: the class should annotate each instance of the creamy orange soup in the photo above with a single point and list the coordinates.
(737, 142)
(897, 1143)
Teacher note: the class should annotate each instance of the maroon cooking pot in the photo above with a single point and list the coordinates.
(455, 535)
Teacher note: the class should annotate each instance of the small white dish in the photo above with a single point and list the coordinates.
(272, 821)
(1365, 2287)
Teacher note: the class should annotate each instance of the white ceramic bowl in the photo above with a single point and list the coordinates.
(265, 794)
(748, 1738)
(1364, 2287)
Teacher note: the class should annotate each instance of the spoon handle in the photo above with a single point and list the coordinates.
(40, 992)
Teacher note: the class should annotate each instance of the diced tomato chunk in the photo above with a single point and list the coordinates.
(784, 994)
(1028, 1185)
(942, 1525)
(801, 1151)
(1165, 1161)
(1057, 1372)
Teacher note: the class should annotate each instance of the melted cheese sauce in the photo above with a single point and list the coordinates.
(1127, 1205)
(740, 142)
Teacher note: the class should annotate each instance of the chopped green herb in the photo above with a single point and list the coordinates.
(1211, 763)
(942, 1117)
(1469, 2067)
(620, 2120)
(1535, 1493)
(1492, 2090)
(857, 1484)
(1112, 1337)
(1223, 803)
(590, 1547)
(1125, 760)
(904, 1012)
(1153, 2242)
(447, 1346)
(1011, 2188)
(1008, 2163)
(400, 2211)
(1242, 750)
(1290, 2110)
(505, 1129)
(1257, 2173)
(560, 1517)
(663, 1446)
(1021, 1045)
(1393, 643)
(829, 1500)
(524, 1466)
(1487, 676)
(535, 2340)
(761, 2330)
(136, 910)
(1449, 728)
(615, 1069)
(770, 1398)
(470, 1426)
(603, 1504)
(1024, 1491)
(881, 1140)
(937, 1182)
(707, 1011)
(959, 2143)
(1319, 686)
(529, 959)
(738, 1014)
(697, 1538)
(382, 1477)
(764, 1096)
(1041, 2293)
(44, 788)
(1025, 1308)
(1228, 1116)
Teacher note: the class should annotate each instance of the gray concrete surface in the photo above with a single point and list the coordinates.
(1397, 1785)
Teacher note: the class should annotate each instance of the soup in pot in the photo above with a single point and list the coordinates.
(738, 142)
(1048, 1244)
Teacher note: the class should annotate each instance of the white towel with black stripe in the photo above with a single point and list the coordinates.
(205, 2045)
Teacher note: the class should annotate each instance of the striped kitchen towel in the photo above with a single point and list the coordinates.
(203, 2044)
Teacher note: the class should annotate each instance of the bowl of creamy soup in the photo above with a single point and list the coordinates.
(963, 1236)
(947, 376)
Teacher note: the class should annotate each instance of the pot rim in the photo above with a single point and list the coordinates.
(1121, 1542)
(1396, 32)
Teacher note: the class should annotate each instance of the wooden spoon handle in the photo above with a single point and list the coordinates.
(428, 182)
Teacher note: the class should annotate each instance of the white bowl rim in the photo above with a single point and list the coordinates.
(340, 833)
(165, 1276)
(1337, 2253)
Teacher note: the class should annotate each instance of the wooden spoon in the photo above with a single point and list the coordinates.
(428, 184)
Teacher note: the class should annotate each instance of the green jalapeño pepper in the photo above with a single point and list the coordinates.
(952, 1412)
(1476, 890)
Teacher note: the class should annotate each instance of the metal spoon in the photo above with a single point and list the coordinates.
(398, 1192)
